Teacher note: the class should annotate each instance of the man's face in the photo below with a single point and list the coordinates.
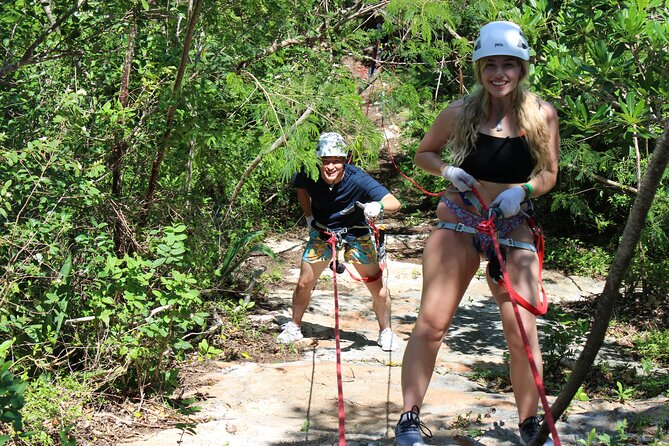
(332, 169)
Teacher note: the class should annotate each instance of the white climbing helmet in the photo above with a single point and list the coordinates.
(501, 39)
(331, 144)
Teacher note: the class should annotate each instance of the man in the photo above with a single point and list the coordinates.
(340, 202)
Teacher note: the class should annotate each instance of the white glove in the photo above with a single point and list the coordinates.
(372, 209)
(310, 219)
(509, 201)
(458, 177)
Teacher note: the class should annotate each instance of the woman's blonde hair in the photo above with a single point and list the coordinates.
(529, 119)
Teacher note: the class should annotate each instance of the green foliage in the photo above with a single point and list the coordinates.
(607, 78)
(621, 393)
(237, 312)
(207, 351)
(575, 257)
(11, 397)
(581, 395)
(654, 346)
(146, 308)
(561, 335)
(55, 405)
(239, 250)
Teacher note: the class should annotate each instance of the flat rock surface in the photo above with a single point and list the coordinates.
(296, 403)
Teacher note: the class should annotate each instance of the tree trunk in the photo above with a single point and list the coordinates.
(120, 148)
(617, 272)
(169, 124)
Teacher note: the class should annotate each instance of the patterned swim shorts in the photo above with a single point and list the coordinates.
(360, 250)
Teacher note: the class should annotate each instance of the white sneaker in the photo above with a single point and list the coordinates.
(291, 333)
(388, 341)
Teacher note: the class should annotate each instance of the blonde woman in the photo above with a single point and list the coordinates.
(503, 141)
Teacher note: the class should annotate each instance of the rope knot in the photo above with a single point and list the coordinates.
(486, 226)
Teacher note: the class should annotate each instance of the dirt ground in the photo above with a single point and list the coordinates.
(294, 400)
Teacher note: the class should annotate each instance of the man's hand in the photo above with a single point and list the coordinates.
(509, 201)
(458, 177)
(372, 209)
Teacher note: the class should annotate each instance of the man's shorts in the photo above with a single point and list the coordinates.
(360, 250)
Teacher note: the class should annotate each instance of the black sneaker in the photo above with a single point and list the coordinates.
(529, 431)
(409, 428)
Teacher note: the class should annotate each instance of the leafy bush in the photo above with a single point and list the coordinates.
(560, 336)
(575, 257)
(56, 405)
(654, 346)
(11, 399)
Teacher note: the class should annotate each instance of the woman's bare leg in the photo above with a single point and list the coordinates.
(449, 263)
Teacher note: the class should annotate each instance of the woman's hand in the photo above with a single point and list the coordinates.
(509, 201)
(458, 177)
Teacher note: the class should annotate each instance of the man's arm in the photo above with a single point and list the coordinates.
(305, 201)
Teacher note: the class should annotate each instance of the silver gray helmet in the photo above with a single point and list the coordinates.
(501, 39)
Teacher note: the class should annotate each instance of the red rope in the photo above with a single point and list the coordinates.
(340, 390)
(528, 350)
(488, 226)
(392, 158)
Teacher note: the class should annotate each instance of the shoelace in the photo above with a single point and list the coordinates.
(413, 422)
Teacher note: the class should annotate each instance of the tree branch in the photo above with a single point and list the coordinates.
(160, 155)
(29, 54)
(357, 10)
(258, 159)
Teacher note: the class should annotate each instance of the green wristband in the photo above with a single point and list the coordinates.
(382, 206)
(527, 187)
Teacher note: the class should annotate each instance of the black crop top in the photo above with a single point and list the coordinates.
(499, 160)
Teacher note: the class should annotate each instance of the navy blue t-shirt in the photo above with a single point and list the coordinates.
(328, 203)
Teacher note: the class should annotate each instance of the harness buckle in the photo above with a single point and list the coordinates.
(460, 227)
(508, 242)
(517, 244)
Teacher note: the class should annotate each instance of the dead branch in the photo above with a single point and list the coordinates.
(601, 179)
(121, 147)
(123, 226)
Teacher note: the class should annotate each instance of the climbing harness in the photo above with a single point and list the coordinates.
(497, 272)
(379, 241)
